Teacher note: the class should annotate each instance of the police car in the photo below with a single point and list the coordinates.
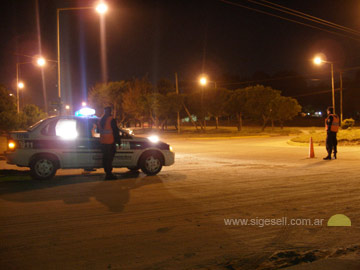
(70, 142)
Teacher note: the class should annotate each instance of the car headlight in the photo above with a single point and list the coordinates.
(153, 139)
(11, 145)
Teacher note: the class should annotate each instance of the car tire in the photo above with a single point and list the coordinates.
(133, 169)
(151, 162)
(43, 168)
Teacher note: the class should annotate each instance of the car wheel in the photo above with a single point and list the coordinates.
(133, 169)
(151, 163)
(43, 168)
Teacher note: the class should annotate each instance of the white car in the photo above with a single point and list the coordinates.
(68, 142)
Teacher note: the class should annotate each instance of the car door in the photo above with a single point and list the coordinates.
(72, 134)
(94, 146)
(124, 153)
(88, 143)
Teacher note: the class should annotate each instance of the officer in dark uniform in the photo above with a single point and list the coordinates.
(332, 126)
(109, 136)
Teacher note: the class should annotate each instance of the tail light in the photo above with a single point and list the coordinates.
(11, 145)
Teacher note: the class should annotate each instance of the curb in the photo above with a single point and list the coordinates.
(290, 142)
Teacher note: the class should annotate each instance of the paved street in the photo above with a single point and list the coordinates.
(175, 220)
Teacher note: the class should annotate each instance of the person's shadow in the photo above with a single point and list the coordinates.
(116, 194)
(76, 189)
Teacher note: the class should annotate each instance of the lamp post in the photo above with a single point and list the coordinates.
(178, 112)
(341, 97)
(318, 61)
(203, 82)
(101, 8)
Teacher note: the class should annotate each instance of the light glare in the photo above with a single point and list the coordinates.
(66, 129)
(85, 112)
(41, 62)
(11, 145)
(153, 139)
(21, 85)
(203, 81)
(317, 60)
(101, 8)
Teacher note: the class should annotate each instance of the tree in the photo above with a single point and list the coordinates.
(165, 86)
(156, 107)
(261, 102)
(285, 109)
(197, 107)
(175, 104)
(236, 105)
(217, 100)
(134, 101)
(8, 113)
(109, 94)
(31, 114)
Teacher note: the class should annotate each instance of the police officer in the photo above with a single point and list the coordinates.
(109, 136)
(332, 127)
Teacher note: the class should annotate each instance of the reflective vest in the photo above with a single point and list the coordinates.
(106, 133)
(335, 123)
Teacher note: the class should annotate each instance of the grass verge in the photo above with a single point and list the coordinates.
(344, 136)
(212, 132)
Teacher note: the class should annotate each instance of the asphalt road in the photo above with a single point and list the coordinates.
(175, 220)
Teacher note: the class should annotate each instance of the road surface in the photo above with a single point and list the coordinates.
(176, 220)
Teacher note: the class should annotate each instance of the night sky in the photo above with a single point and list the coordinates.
(159, 38)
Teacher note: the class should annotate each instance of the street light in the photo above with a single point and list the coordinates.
(318, 61)
(41, 61)
(203, 81)
(101, 8)
(21, 85)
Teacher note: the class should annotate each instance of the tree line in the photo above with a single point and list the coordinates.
(138, 101)
(10, 119)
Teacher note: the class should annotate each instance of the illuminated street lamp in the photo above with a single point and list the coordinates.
(318, 61)
(83, 103)
(41, 61)
(100, 8)
(67, 108)
(203, 81)
(21, 85)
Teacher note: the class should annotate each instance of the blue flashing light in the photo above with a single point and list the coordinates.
(85, 112)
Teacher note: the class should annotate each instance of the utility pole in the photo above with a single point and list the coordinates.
(178, 112)
(17, 89)
(341, 98)
(332, 85)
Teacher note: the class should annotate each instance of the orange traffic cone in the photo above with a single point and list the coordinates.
(311, 150)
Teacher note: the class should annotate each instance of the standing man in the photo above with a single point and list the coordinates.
(109, 136)
(332, 127)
